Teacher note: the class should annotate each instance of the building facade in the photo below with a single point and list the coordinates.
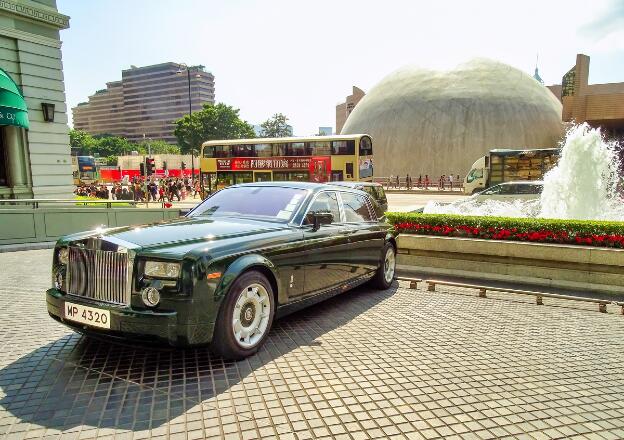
(34, 140)
(344, 109)
(146, 102)
(600, 105)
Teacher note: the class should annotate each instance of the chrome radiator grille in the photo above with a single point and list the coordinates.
(99, 275)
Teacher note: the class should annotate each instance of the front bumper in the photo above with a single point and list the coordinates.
(126, 323)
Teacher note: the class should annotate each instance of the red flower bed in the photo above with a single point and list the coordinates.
(502, 233)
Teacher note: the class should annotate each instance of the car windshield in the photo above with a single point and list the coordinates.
(268, 202)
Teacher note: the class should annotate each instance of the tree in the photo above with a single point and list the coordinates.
(157, 146)
(81, 141)
(276, 126)
(213, 122)
(113, 146)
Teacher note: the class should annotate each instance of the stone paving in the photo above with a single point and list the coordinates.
(396, 364)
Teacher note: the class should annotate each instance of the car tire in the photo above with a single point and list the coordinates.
(245, 317)
(385, 274)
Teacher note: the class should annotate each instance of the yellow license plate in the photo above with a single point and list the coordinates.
(87, 315)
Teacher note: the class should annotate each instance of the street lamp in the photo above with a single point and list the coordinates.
(181, 68)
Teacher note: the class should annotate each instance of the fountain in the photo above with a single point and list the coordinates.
(585, 184)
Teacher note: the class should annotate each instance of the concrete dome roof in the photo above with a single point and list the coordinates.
(435, 123)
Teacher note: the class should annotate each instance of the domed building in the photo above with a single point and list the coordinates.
(430, 122)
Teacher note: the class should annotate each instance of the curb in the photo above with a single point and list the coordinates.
(26, 246)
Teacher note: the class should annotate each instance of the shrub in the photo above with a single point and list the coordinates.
(577, 232)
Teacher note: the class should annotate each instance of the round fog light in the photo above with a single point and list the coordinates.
(150, 296)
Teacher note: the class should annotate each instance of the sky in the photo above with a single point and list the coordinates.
(301, 58)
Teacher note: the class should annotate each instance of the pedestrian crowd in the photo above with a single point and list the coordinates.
(444, 182)
(161, 190)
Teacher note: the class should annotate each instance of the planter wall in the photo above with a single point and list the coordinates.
(563, 266)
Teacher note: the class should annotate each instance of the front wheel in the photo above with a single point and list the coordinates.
(385, 273)
(245, 317)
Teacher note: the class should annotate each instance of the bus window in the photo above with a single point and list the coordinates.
(291, 176)
(341, 148)
(209, 151)
(222, 151)
(298, 149)
(366, 146)
(280, 149)
(244, 150)
(263, 150)
(320, 148)
(246, 177)
(224, 178)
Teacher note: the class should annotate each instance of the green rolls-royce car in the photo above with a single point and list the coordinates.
(222, 274)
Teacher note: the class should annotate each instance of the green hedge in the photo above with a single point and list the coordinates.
(577, 227)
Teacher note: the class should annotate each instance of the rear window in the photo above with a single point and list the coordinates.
(356, 208)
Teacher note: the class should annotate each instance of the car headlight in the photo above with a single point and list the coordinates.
(159, 269)
(63, 255)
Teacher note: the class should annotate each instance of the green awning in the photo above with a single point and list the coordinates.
(13, 110)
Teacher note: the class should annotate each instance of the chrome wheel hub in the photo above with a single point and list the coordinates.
(250, 318)
(389, 265)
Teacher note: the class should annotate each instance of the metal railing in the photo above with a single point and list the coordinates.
(539, 296)
(35, 203)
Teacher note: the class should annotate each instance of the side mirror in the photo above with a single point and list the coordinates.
(321, 218)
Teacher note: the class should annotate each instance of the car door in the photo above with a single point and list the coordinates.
(327, 248)
(365, 234)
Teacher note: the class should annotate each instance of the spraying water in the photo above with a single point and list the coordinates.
(583, 185)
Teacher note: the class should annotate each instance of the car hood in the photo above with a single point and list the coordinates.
(185, 231)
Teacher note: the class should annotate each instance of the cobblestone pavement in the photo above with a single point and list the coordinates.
(395, 364)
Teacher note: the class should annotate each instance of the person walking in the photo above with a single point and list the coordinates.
(398, 182)
(419, 181)
(426, 181)
(408, 182)
(451, 181)
(390, 181)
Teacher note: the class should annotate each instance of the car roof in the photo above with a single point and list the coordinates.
(354, 184)
(523, 182)
(310, 186)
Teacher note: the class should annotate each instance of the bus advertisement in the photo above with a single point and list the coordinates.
(303, 159)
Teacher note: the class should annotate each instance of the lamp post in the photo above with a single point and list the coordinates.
(181, 68)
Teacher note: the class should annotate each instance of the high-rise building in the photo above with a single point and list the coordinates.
(344, 109)
(146, 102)
(600, 105)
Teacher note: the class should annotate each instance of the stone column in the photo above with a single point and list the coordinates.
(15, 156)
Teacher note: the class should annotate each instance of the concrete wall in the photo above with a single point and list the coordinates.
(48, 224)
(562, 266)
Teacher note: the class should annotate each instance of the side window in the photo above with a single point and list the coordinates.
(509, 189)
(475, 174)
(356, 208)
(325, 202)
(494, 190)
(366, 146)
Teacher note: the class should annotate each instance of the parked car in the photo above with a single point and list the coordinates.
(222, 274)
(524, 190)
(375, 190)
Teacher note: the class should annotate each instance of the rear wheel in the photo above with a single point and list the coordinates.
(245, 317)
(385, 273)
